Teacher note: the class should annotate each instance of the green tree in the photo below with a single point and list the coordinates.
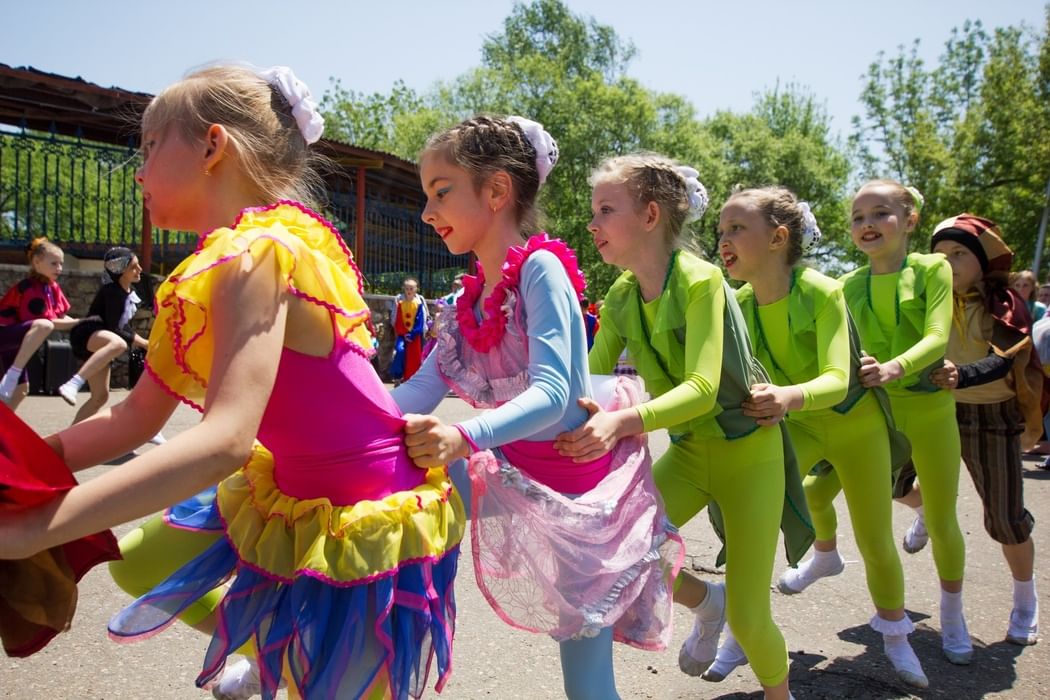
(570, 73)
(970, 132)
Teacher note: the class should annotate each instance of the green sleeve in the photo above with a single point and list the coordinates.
(698, 392)
(938, 322)
(608, 345)
(831, 384)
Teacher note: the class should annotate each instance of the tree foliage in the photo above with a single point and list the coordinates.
(571, 73)
(969, 132)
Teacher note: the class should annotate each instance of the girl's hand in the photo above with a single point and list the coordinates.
(431, 443)
(769, 403)
(874, 373)
(592, 439)
(946, 377)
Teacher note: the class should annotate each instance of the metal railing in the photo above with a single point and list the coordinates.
(83, 195)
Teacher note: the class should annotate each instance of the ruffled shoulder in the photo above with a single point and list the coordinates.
(854, 285)
(314, 263)
(517, 255)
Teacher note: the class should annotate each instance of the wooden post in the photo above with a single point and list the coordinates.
(359, 243)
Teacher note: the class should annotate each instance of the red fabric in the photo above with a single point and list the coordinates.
(32, 298)
(38, 595)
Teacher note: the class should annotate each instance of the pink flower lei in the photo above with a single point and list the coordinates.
(486, 335)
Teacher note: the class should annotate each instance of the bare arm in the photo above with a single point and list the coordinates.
(249, 316)
(116, 430)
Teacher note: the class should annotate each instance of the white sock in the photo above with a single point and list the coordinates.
(1024, 594)
(708, 609)
(920, 513)
(819, 566)
(10, 380)
(76, 381)
(951, 605)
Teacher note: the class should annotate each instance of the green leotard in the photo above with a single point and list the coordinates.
(906, 316)
(804, 339)
(690, 345)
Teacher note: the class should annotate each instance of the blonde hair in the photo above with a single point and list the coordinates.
(1028, 275)
(903, 196)
(651, 177)
(266, 140)
(39, 247)
(778, 207)
(483, 146)
(36, 250)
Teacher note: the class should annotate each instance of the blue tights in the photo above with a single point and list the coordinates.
(586, 664)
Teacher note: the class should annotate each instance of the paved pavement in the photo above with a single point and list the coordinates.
(834, 653)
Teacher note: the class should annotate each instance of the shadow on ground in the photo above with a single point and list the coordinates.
(869, 676)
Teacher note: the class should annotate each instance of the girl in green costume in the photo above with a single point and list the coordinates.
(684, 333)
(902, 304)
(801, 332)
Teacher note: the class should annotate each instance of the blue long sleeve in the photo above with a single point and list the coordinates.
(424, 391)
(558, 373)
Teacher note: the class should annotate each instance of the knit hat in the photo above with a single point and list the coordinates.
(981, 236)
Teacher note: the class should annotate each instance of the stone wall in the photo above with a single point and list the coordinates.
(80, 286)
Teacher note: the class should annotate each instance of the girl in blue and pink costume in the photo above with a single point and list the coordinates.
(343, 552)
(580, 551)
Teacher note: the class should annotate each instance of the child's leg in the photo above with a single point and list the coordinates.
(35, 333)
(154, 551)
(991, 450)
(99, 383)
(929, 422)
(810, 443)
(747, 481)
(38, 332)
(821, 492)
(860, 451)
(682, 478)
(104, 347)
(587, 667)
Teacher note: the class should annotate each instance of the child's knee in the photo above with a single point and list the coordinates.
(128, 578)
(44, 324)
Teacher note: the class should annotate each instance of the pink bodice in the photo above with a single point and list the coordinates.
(334, 431)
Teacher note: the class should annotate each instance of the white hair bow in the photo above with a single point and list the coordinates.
(304, 109)
(697, 192)
(545, 145)
(810, 231)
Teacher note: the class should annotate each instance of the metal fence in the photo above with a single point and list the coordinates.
(83, 195)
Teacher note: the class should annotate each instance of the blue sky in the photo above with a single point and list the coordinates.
(716, 53)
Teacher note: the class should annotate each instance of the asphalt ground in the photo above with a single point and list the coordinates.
(834, 654)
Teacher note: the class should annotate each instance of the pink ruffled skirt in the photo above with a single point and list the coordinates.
(571, 566)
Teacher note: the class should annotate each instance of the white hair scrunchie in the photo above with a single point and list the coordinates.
(545, 145)
(698, 198)
(304, 109)
(810, 231)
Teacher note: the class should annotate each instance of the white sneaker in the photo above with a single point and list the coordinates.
(1024, 626)
(728, 658)
(916, 537)
(701, 646)
(68, 392)
(158, 439)
(239, 681)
